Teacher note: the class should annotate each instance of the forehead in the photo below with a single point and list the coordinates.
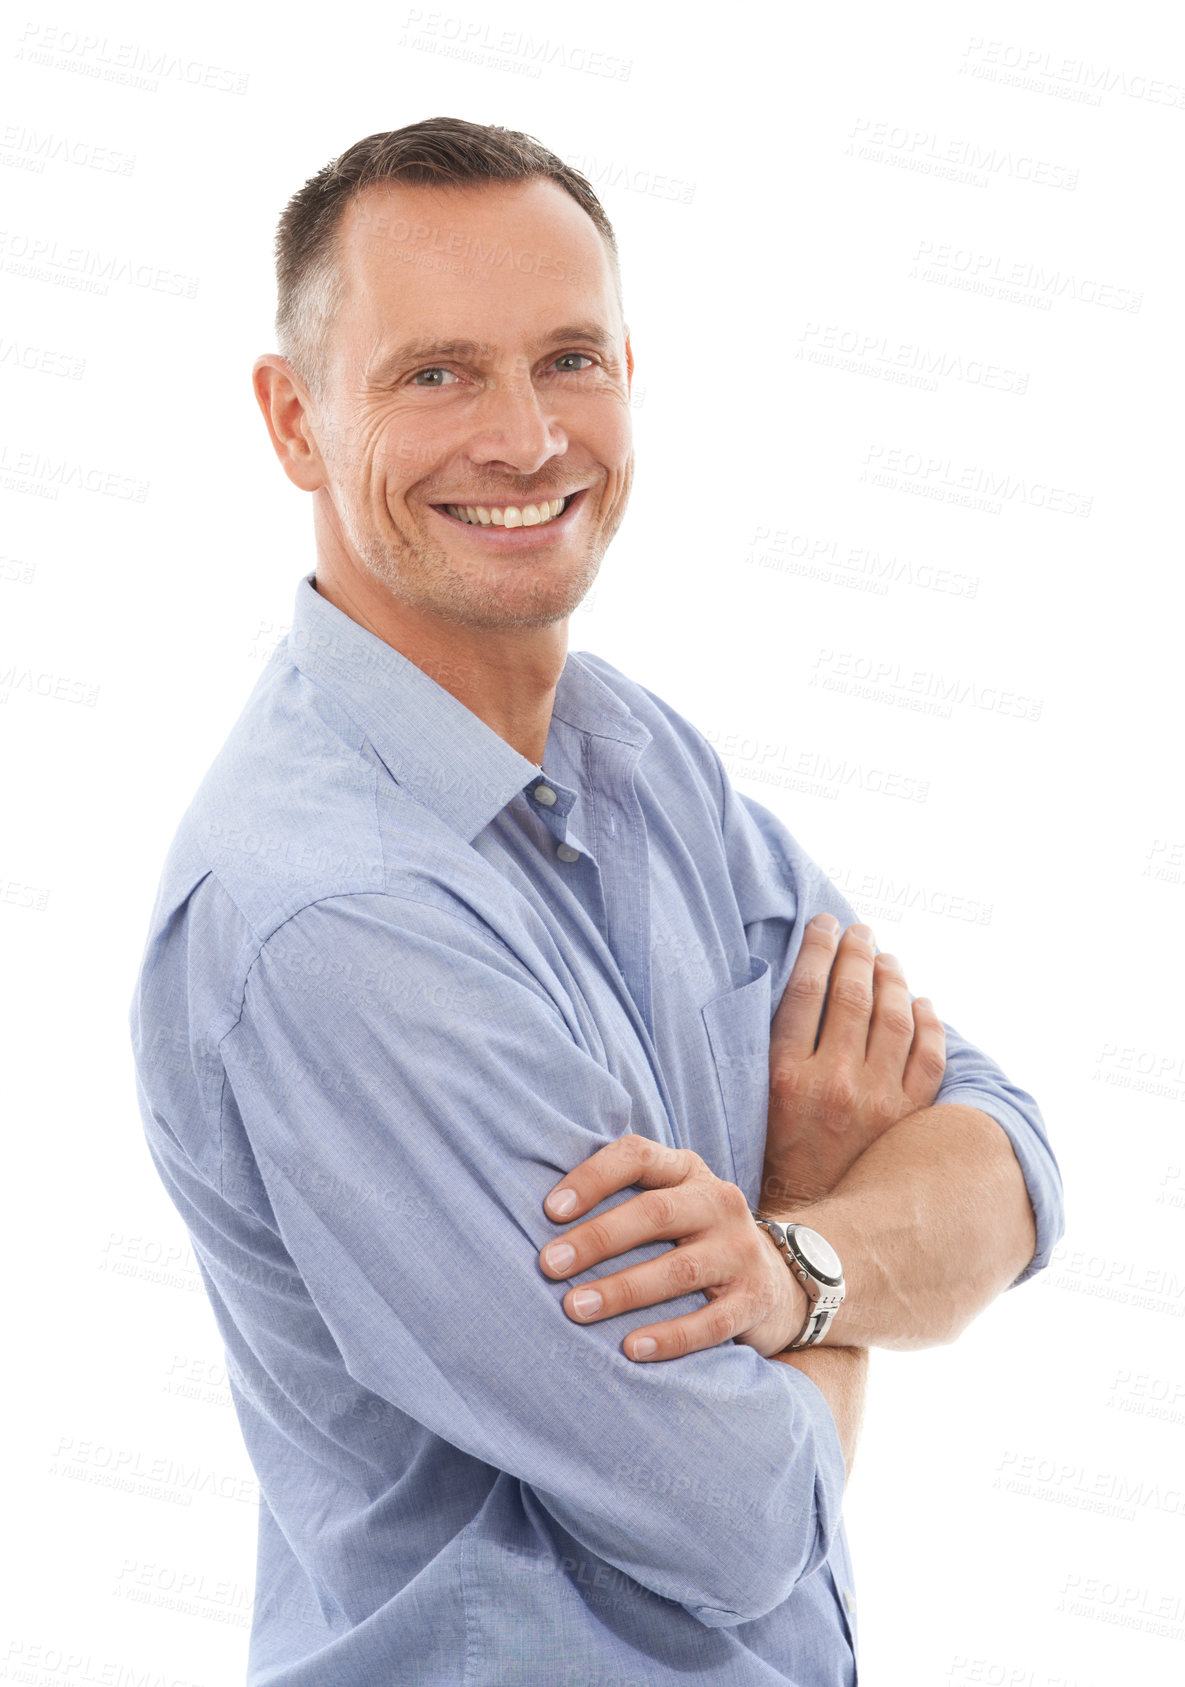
(483, 262)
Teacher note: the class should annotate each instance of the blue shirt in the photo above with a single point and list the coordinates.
(392, 992)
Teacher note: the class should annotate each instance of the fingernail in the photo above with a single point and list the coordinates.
(889, 962)
(560, 1256)
(644, 1347)
(561, 1202)
(862, 931)
(826, 922)
(585, 1302)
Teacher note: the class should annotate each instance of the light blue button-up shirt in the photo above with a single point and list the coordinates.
(392, 992)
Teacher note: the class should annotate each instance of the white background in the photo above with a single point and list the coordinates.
(872, 256)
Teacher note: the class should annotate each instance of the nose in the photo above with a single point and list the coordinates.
(517, 429)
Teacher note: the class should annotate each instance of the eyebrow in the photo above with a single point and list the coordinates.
(423, 352)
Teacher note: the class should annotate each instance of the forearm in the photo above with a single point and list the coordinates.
(841, 1376)
(931, 1222)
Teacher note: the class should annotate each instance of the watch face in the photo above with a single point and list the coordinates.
(819, 1256)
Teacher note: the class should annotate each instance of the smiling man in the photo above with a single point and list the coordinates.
(464, 938)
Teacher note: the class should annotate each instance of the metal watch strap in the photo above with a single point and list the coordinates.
(824, 1300)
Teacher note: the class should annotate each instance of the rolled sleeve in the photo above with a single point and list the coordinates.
(410, 1093)
(780, 889)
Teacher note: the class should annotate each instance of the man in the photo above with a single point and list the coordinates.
(459, 922)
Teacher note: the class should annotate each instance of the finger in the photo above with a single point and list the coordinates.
(927, 1058)
(848, 1008)
(890, 1033)
(794, 1028)
(657, 1215)
(695, 1268)
(727, 1316)
(627, 1160)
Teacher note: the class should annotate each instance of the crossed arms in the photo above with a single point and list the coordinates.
(927, 1205)
(406, 1153)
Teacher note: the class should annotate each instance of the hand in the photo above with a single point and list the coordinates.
(719, 1250)
(877, 1059)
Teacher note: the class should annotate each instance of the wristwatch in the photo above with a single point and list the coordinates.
(816, 1265)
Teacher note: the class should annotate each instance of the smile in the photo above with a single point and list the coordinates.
(509, 515)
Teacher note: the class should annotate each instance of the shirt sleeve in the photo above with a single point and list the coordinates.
(779, 890)
(410, 1093)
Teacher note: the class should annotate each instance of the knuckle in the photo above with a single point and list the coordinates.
(806, 986)
(896, 1021)
(932, 1064)
(628, 1294)
(677, 1342)
(595, 1240)
(721, 1319)
(731, 1198)
(634, 1149)
(660, 1208)
(685, 1270)
(852, 994)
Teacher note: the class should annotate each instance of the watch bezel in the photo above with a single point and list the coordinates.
(791, 1233)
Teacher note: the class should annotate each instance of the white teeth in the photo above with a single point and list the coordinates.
(530, 515)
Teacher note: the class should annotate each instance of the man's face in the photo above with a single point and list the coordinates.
(479, 366)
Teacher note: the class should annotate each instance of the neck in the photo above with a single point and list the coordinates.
(506, 676)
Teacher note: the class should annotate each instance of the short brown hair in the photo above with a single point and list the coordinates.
(443, 151)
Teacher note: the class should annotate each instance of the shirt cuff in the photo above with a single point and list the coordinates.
(1036, 1163)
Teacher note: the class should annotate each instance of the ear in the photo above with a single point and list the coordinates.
(629, 363)
(287, 410)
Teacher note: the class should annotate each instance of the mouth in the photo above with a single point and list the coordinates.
(545, 512)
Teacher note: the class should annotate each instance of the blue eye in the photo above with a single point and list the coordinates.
(567, 358)
(418, 377)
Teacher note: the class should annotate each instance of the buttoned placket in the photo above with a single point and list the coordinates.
(613, 875)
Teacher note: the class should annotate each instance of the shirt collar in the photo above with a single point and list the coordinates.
(435, 748)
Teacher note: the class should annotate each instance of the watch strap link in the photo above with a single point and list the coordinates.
(823, 1299)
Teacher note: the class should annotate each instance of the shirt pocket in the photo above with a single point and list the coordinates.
(737, 1025)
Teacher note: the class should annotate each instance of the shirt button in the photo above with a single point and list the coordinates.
(544, 794)
(567, 853)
